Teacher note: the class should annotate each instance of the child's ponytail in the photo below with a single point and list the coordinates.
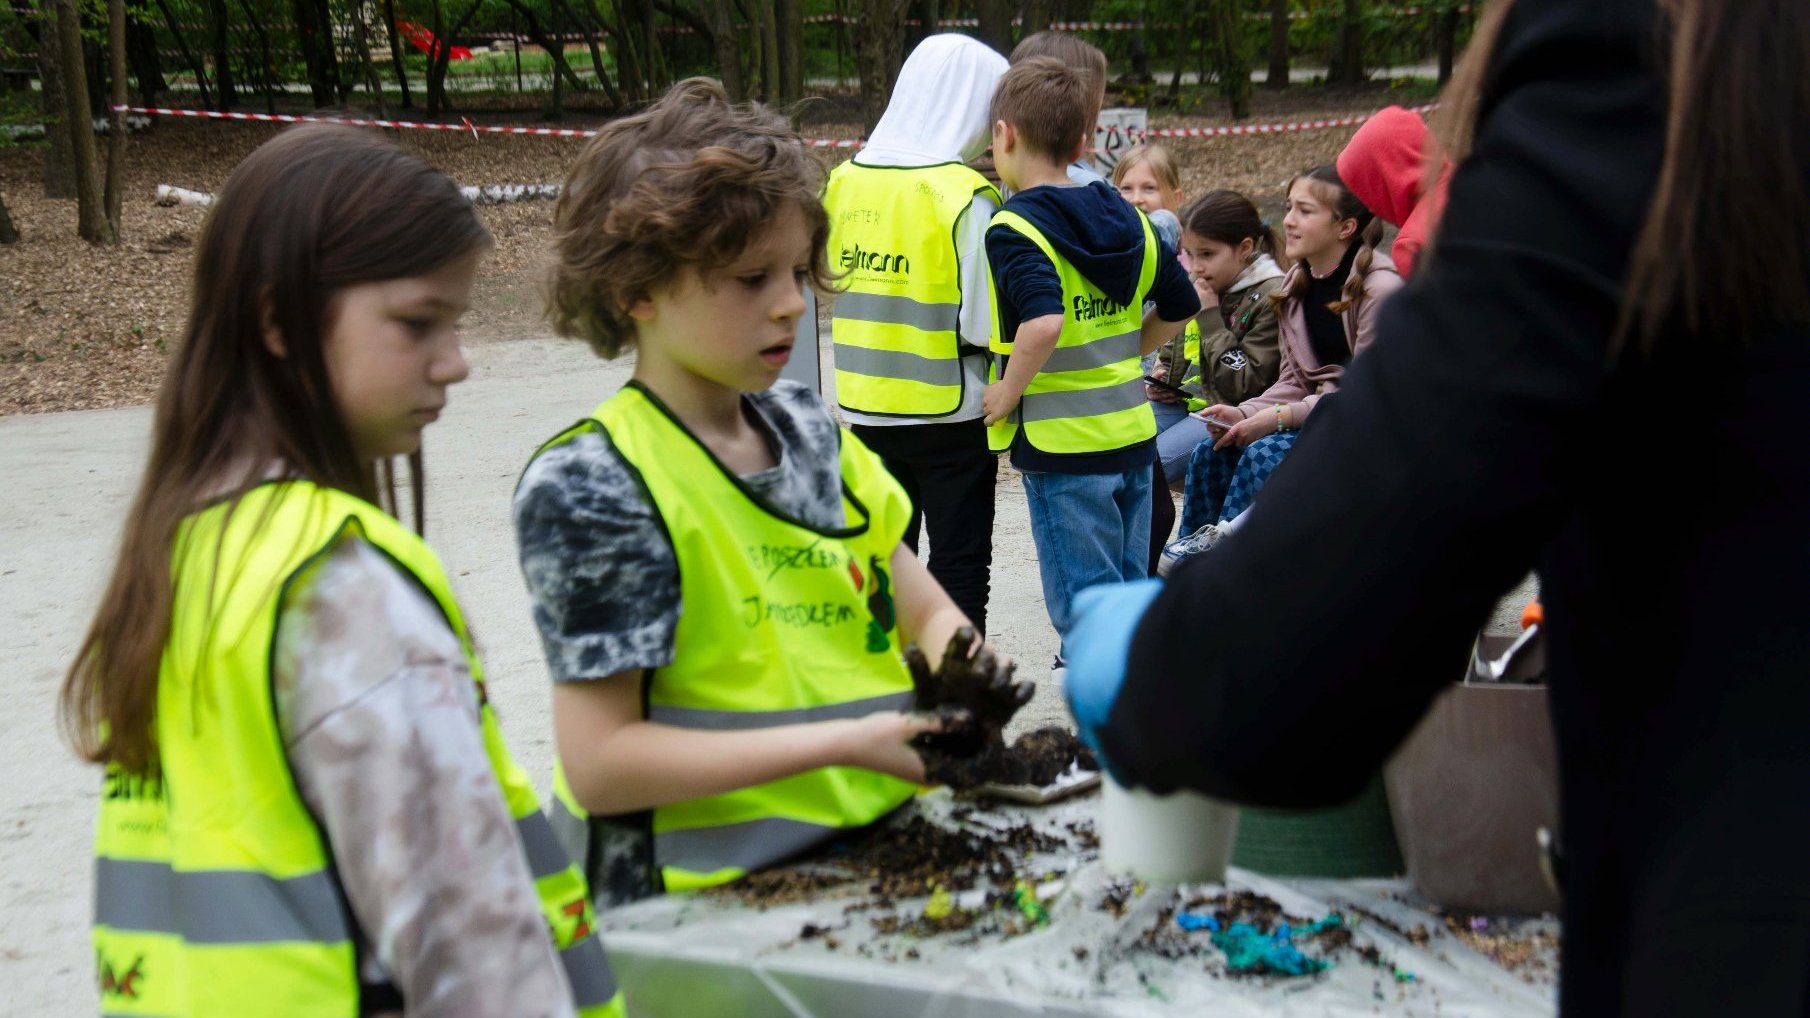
(1369, 237)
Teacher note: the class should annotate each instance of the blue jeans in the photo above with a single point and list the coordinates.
(1089, 529)
(1177, 433)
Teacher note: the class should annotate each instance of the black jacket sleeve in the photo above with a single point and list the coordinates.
(1447, 462)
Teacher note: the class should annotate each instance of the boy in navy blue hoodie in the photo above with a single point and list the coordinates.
(1072, 268)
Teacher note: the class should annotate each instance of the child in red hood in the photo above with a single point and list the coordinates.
(1384, 165)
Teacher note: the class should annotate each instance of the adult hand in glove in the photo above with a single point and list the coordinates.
(1097, 649)
(973, 691)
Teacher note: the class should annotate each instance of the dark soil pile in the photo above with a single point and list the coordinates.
(904, 860)
(1046, 754)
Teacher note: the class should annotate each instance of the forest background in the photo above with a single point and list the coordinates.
(86, 323)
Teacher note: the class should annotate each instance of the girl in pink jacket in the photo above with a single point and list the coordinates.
(1327, 311)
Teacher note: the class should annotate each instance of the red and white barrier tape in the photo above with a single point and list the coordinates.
(1281, 128)
(466, 126)
(463, 127)
(485, 194)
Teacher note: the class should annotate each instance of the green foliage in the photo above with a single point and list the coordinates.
(1176, 32)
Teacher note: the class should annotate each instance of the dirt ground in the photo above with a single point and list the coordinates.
(83, 327)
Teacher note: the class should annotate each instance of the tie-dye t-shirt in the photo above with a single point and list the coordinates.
(604, 580)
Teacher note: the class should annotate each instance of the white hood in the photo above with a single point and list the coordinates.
(938, 112)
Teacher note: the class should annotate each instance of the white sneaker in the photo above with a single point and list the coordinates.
(1058, 671)
(1178, 551)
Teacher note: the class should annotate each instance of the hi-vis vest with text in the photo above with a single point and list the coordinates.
(897, 326)
(781, 623)
(215, 892)
(1089, 397)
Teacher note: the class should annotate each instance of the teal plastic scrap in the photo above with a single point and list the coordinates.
(1249, 949)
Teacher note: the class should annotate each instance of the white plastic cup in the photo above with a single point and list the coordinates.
(1183, 838)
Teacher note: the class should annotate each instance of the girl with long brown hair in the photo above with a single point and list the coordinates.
(1629, 220)
(308, 805)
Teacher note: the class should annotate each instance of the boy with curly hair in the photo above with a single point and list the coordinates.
(716, 570)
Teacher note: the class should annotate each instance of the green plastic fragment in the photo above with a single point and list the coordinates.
(1025, 897)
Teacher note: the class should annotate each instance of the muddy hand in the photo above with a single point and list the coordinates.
(926, 685)
(982, 680)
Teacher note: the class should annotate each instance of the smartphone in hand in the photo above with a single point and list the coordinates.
(1167, 386)
(1212, 423)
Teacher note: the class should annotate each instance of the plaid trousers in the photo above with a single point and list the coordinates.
(1222, 482)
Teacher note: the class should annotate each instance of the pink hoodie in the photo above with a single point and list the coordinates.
(1382, 165)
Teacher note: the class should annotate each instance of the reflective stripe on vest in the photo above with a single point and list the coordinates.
(215, 892)
(897, 326)
(1089, 396)
(801, 616)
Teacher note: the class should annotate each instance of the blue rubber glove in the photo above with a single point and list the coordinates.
(1097, 649)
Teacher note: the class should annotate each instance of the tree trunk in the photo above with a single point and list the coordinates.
(844, 41)
(790, 30)
(920, 22)
(629, 75)
(396, 52)
(182, 47)
(996, 24)
(222, 44)
(323, 16)
(551, 43)
(91, 212)
(1447, 28)
(266, 67)
(59, 154)
(1227, 32)
(1182, 40)
(9, 234)
(1348, 55)
(147, 65)
(587, 24)
(599, 27)
(1140, 57)
(877, 52)
(767, 36)
(361, 36)
(556, 105)
(442, 56)
(1278, 73)
(653, 59)
(720, 16)
(316, 41)
(1036, 18)
(116, 129)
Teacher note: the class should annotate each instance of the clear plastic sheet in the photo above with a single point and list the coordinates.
(689, 955)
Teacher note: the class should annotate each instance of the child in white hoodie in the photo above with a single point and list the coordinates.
(908, 221)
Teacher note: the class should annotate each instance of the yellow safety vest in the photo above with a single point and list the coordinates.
(215, 892)
(783, 622)
(898, 323)
(1191, 346)
(1089, 397)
